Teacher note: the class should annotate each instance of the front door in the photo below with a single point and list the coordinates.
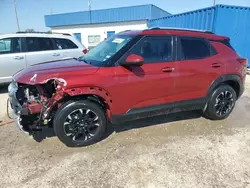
(12, 59)
(153, 83)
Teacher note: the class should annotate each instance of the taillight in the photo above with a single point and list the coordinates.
(243, 61)
(85, 51)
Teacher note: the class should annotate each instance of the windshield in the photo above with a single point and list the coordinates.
(106, 49)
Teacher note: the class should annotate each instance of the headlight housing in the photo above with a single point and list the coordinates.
(12, 88)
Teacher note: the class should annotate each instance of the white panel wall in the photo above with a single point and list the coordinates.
(100, 29)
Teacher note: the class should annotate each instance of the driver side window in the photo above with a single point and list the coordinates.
(154, 49)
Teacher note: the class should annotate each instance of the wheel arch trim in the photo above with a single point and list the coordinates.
(97, 91)
(224, 78)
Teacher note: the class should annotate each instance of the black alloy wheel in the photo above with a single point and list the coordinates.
(221, 102)
(224, 103)
(80, 123)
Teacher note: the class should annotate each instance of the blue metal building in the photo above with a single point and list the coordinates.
(122, 14)
(91, 27)
(231, 21)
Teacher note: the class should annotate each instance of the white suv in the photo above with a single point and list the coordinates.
(20, 50)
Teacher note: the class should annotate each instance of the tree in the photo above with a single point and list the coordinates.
(30, 31)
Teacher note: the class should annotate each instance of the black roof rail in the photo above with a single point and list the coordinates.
(125, 31)
(180, 29)
(23, 32)
(68, 34)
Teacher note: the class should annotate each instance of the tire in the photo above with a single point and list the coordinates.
(76, 124)
(215, 109)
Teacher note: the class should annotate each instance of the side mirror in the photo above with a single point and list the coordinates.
(133, 60)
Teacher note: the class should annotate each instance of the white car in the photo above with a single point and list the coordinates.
(17, 51)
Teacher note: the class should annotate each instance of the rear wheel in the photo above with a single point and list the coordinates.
(221, 103)
(80, 123)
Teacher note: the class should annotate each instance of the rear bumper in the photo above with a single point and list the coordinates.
(242, 89)
(241, 83)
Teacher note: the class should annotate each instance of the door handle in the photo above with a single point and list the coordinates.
(56, 54)
(19, 57)
(169, 69)
(216, 65)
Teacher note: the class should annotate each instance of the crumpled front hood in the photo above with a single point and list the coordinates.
(41, 73)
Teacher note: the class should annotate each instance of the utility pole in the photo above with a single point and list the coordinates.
(89, 4)
(214, 2)
(51, 11)
(17, 22)
(90, 16)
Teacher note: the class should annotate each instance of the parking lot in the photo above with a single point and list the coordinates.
(180, 150)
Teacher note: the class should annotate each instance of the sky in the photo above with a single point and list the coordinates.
(31, 12)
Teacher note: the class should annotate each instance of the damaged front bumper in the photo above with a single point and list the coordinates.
(32, 107)
(20, 127)
(16, 106)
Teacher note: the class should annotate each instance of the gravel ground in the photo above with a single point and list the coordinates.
(181, 150)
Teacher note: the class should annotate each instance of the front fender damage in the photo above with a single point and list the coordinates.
(96, 94)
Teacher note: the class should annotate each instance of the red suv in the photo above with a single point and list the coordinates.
(134, 74)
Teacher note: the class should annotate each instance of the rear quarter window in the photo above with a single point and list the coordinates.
(65, 44)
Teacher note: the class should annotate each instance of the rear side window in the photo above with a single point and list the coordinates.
(194, 48)
(10, 45)
(65, 44)
(35, 44)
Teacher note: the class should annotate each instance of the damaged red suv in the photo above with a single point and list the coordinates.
(134, 74)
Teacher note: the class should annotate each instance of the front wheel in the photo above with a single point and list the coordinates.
(221, 103)
(80, 123)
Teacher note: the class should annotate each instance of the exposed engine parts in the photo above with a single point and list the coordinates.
(33, 104)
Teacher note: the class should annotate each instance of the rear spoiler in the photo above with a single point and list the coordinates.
(225, 41)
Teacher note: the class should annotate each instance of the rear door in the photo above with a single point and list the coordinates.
(198, 66)
(12, 58)
(69, 48)
(41, 49)
(154, 82)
